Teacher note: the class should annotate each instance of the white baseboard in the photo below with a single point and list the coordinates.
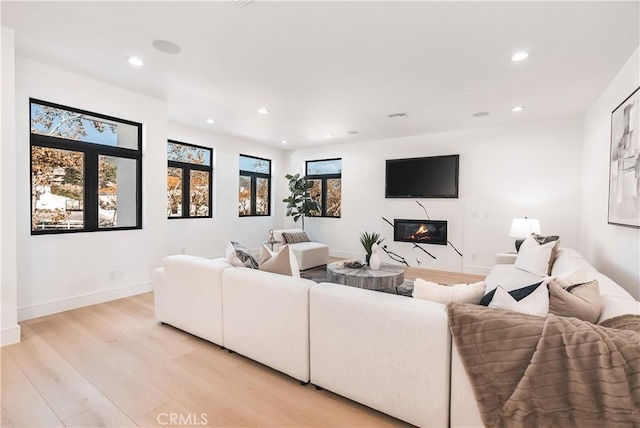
(10, 335)
(476, 270)
(60, 305)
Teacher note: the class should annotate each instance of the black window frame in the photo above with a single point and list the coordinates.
(324, 178)
(254, 181)
(91, 151)
(186, 180)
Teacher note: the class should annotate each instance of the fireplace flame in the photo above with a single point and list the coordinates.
(422, 234)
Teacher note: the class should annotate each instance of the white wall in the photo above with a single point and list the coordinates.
(208, 237)
(532, 169)
(59, 272)
(613, 250)
(8, 268)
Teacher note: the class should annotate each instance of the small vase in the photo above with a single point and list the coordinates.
(374, 260)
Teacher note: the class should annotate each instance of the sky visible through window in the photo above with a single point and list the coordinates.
(254, 165)
(324, 167)
(60, 126)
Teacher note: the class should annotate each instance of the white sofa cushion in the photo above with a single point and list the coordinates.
(445, 293)
(613, 306)
(382, 350)
(266, 318)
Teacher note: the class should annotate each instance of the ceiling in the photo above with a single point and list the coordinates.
(334, 67)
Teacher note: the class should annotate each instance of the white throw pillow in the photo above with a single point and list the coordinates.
(529, 242)
(536, 303)
(461, 293)
(535, 259)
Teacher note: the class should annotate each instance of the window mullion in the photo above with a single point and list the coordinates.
(254, 194)
(324, 197)
(91, 190)
(186, 192)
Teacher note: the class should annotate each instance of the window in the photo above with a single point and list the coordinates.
(327, 186)
(189, 174)
(86, 171)
(254, 197)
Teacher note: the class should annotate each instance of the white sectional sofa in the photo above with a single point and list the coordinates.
(308, 254)
(389, 352)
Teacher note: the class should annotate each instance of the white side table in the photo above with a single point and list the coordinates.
(271, 243)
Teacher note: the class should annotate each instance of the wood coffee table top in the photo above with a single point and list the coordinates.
(388, 276)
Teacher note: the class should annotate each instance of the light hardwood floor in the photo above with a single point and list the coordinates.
(114, 365)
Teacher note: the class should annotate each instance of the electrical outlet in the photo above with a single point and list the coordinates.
(183, 251)
(474, 256)
(111, 276)
(119, 273)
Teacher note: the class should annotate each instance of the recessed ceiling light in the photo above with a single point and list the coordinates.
(284, 141)
(481, 114)
(135, 61)
(519, 56)
(211, 121)
(328, 136)
(517, 109)
(263, 111)
(166, 47)
(353, 132)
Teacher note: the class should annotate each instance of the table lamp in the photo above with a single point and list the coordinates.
(522, 228)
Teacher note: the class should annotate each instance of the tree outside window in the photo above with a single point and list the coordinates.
(254, 191)
(326, 175)
(189, 178)
(86, 170)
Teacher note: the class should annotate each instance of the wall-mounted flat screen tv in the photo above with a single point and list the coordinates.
(428, 177)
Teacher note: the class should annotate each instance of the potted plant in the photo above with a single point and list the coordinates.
(367, 240)
(300, 204)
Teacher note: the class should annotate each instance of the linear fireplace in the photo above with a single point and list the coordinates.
(420, 231)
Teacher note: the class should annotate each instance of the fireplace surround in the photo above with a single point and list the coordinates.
(420, 231)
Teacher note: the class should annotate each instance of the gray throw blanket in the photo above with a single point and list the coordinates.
(529, 371)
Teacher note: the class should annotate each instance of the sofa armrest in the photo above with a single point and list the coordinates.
(192, 298)
(506, 258)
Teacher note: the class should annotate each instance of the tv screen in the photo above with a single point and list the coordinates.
(429, 177)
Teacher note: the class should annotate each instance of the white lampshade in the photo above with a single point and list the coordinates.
(523, 227)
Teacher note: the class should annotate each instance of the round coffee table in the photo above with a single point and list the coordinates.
(388, 276)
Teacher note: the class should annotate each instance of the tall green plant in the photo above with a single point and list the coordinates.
(300, 204)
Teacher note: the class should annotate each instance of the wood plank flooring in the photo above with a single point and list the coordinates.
(114, 365)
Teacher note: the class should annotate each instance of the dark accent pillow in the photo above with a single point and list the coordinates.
(245, 256)
(518, 294)
(295, 237)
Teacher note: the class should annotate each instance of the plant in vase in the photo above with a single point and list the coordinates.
(367, 240)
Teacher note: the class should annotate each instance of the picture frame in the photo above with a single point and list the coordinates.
(624, 163)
